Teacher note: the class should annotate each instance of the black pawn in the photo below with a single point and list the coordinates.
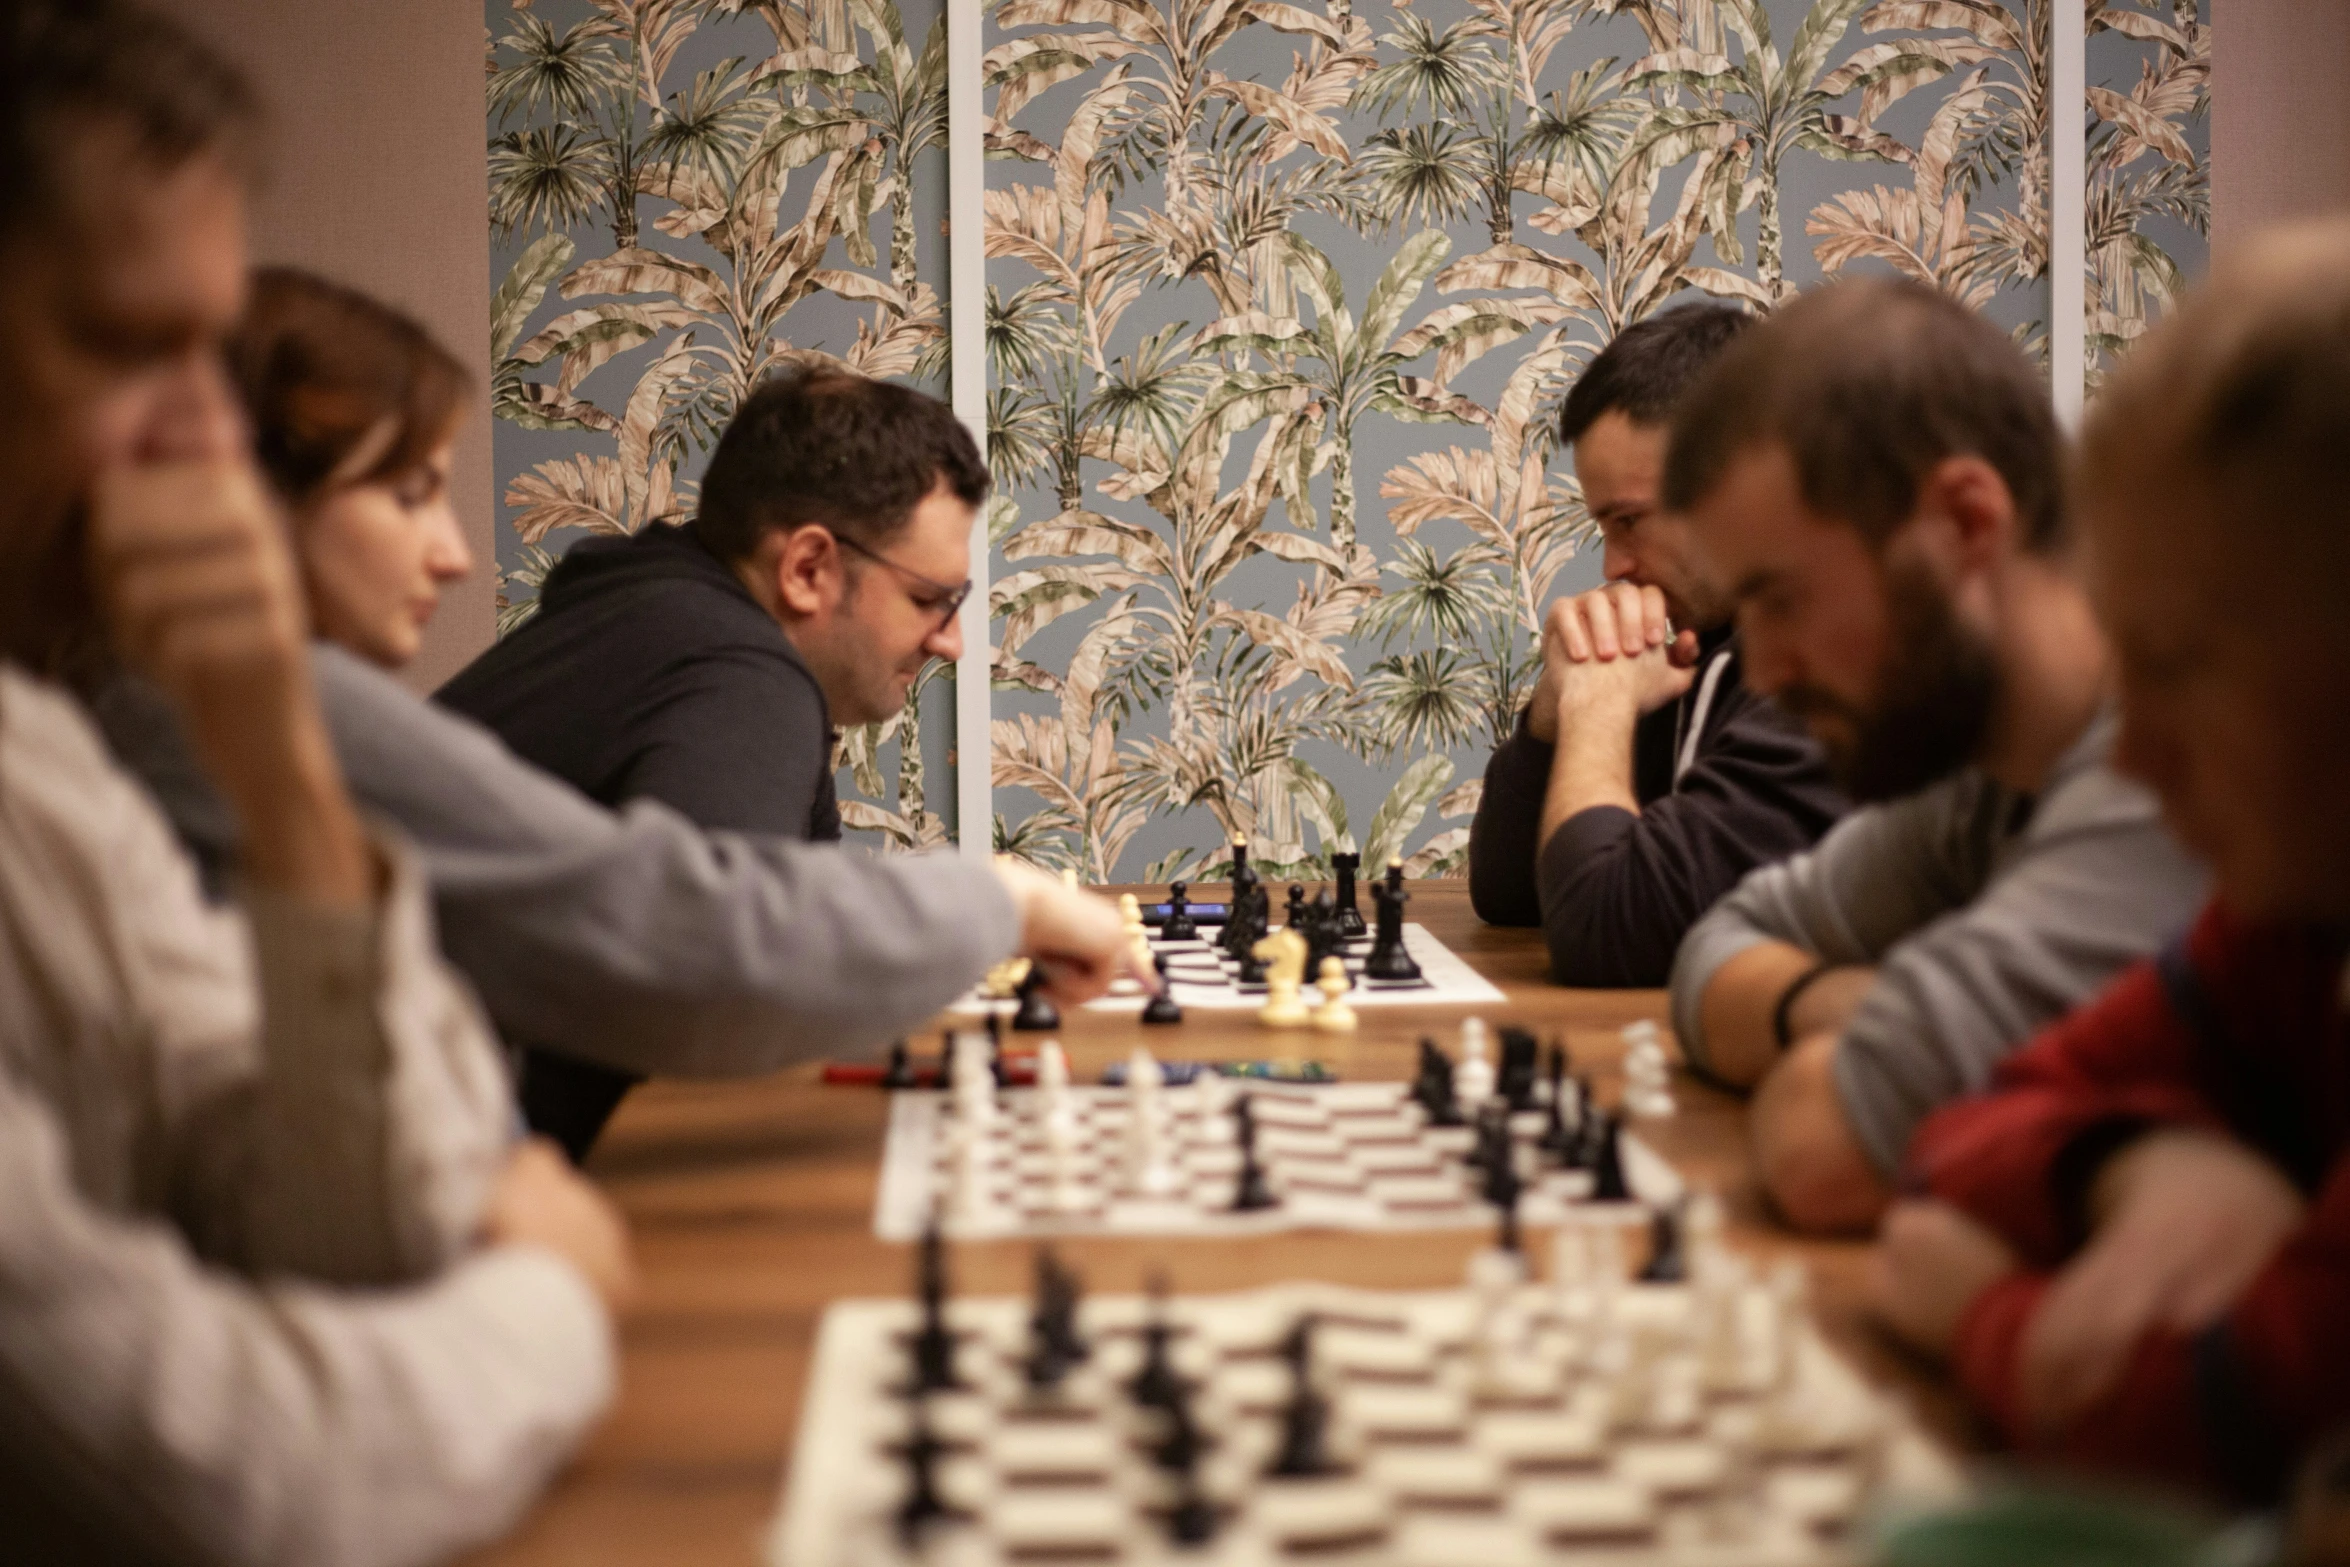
(1668, 1263)
(1296, 916)
(1163, 1007)
(1156, 1386)
(1037, 1013)
(1583, 1147)
(1350, 915)
(1179, 926)
(1250, 1193)
(923, 1506)
(995, 1047)
(1324, 940)
(900, 1073)
(1608, 1183)
(1305, 1422)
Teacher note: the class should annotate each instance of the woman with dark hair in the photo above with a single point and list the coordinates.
(354, 411)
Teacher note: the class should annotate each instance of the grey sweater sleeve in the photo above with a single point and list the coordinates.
(1875, 877)
(639, 940)
(2097, 885)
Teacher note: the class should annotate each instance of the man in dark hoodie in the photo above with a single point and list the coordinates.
(1643, 779)
(706, 665)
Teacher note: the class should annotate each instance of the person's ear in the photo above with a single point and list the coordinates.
(1971, 510)
(808, 570)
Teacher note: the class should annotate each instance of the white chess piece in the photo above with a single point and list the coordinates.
(1054, 1103)
(973, 1085)
(1334, 1016)
(1138, 940)
(1060, 1152)
(1472, 1079)
(1211, 1102)
(1494, 1329)
(1146, 1130)
(1648, 1084)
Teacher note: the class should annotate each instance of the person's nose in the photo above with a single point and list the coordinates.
(447, 556)
(1616, 562)
(194, 417)
(947, 641)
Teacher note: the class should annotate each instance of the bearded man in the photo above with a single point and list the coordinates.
(1876, 477)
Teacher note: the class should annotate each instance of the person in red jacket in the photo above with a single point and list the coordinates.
(2134, 1246)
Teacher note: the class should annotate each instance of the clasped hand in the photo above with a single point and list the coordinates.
(1615, 642)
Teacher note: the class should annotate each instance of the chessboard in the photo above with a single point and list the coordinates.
(1352, 1156)
(1585, 1418)
(1201, 975)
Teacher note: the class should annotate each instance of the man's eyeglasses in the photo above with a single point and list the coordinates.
(943, 599)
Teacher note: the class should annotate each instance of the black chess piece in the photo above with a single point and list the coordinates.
(1250, 1192)
(1343, 866)
(995, 1045)
(900, 1072)
(1297, 906)
(934, 1342)
(1163, 1007)
(1192, 1519)
(1668, 1260)
(1495, 1154)
(1179, 925)
(1156, 1386)
(923, 1505)
(1607, 1170)
(1324, 938)
(1037, 1014)
(1178, 1446)
(1251, 929)
(1244, 888)
(1520, 1055)
(1055, 1344)
(1305, 1421)
(1388, 959)
(1433, 1088)
(1503, 1189)
(1557, 1139)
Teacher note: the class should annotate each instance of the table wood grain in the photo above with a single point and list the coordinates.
(751, 1204)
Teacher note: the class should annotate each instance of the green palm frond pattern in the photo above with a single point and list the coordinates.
(1282, 299)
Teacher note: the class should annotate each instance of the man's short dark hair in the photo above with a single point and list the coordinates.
(1651, 363)
(826, 445)
(68, 67)
(1868, 384)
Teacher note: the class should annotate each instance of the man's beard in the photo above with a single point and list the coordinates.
(1933, 702)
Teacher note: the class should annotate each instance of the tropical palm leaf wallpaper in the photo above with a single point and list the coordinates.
(1282, 299)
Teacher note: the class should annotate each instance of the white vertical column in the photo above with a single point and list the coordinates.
(967, 329)
(2068, 208)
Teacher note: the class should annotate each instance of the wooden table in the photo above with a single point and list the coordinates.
(752, 1208)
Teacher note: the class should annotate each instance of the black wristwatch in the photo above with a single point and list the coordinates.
(1781, 1013)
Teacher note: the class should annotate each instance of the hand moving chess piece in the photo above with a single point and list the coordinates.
(1162, 1007)
(1284, 955)
(1334, 1016)
(1343, 867)
(1388, 959)
(1037, 1012)
(1179, 926)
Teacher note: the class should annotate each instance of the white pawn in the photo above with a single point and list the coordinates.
(1472, 1079)
(1060, 1151)
(1146, 1133)
(1334, 1016)
(1494, 1333)
(1138, 940)
(1054, 1103)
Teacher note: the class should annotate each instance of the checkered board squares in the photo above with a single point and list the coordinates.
(1203, 977)
(1578, 1462)
(1347, 1156)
